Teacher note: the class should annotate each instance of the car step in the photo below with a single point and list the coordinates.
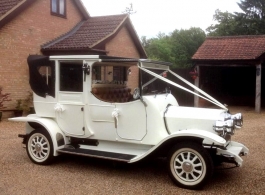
(97, 154)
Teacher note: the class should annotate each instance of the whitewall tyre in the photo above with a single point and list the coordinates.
(39, 147)
(190, 165)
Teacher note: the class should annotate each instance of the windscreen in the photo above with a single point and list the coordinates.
(152, 85)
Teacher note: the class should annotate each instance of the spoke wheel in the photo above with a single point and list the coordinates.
(190, 165)
(39, 147)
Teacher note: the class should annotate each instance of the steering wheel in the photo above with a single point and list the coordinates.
(136, 93)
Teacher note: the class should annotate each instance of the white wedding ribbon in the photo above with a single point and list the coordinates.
(206, 96)
(59, 108)
(115, 114)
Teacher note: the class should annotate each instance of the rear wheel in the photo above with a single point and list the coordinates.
(190, 165)
(39, 147)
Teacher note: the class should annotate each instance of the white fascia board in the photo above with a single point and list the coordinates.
(153, 65)
(74, 57)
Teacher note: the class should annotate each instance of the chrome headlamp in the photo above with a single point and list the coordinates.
(238, 118)
(224, 127)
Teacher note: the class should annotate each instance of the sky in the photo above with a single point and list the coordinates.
(163, 16)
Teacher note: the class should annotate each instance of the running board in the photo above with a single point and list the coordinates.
(98, 154)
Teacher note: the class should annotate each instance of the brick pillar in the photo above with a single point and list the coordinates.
(197, 83)
(258, 88)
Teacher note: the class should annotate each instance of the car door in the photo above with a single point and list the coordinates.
(70, 107)
(99, 120)
(131, 120)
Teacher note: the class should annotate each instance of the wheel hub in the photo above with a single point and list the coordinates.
(187, 167)
(38, 147)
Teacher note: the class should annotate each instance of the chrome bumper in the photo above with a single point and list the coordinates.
(233, 152)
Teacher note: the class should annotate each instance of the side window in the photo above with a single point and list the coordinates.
(110, 74)
(47, 74)
(110, 83)
(71, 77)
(42, 75)
(58, 8)
(96, 73)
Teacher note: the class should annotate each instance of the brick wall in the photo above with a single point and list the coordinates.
(122, 45)
(23, 36)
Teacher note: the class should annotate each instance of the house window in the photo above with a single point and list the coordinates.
(119, 73)
(58, 8)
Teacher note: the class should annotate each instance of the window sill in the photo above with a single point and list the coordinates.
(59, 15)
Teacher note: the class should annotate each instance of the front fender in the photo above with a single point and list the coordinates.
(208, 138)
(57, 136)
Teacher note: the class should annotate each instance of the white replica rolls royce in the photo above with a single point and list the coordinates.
(93, 106)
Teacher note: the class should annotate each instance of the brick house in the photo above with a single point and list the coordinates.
(56, 27)
(230, 68)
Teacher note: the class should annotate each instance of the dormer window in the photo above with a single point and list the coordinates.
(58, 8)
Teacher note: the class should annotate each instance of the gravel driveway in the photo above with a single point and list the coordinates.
(80, 175)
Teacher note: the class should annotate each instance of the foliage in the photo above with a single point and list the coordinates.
(178, 47)
(227, 25)
(19, 105)
(4, 97)
(28, 102)
(251, 21)
(25, 104)
(158, 48)
(185, 44)
(252, 8)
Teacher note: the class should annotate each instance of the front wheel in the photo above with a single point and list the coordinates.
(39, 147)
(189, 165)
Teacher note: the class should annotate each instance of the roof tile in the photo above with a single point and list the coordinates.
(6, 5)
(231, 48)
(88, 34)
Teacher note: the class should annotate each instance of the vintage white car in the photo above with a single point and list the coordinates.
(93, 106)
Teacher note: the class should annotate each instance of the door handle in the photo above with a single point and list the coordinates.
(115, 114)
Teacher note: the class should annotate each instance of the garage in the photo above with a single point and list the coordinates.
(230, 69)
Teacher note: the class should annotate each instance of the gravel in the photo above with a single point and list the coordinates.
(80, 175)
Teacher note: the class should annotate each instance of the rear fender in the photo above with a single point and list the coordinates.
(34, 122)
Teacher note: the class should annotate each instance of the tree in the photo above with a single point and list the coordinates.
(178, 47)
(184, 44)
(251, 21)
(253, 9)
(158, 48)
(253, 18)
(227, 25)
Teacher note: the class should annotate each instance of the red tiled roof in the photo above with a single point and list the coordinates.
(88, 34)
(7, 5)
(93, 32)
(231, 48)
